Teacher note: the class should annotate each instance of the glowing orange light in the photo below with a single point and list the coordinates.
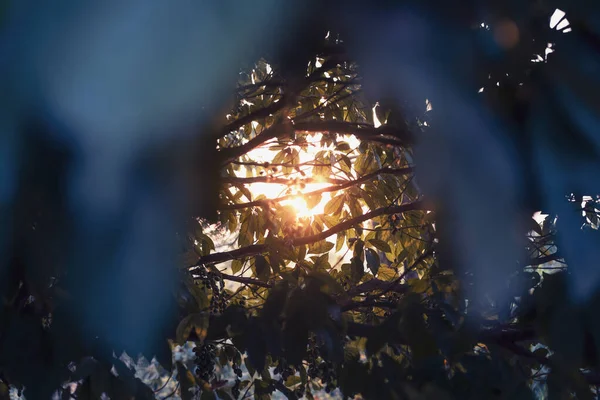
(297, 202)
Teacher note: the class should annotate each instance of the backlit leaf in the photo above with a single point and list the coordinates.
(380, 245)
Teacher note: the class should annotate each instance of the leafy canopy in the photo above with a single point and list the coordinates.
(323, 272)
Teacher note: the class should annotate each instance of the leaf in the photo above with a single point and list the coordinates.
(339, 241)
(342, 146)
(329, 284)
(541, 353)
(535, 226)
(193, 323)
(419, 285)
(414, 329)
(263, 269)
(320, 247)
(359, 245)
(345, 164)
(303, 375)
(275, 302)
(312, 201)
(321, 262)
(334, 206)
(355, 208)
(245, 191)
(330, 220)
(236, 266)
(357, 269)
(372, 261)
(187, 381)
(381, 245)
(302, 250)
(386, 273)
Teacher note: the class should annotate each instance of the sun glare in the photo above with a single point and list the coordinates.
(300, 206)
(297, 201)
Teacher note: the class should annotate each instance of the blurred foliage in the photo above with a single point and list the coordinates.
(351, 298)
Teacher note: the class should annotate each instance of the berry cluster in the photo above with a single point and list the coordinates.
(237, 370)
(320, 368)
(235, 389)
(284, 370)
(212, 281)
(205, 361)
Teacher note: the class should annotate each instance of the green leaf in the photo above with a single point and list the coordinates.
(346, 164)
(303, 375)
(236, 266)
(320, 247)
(302, 250)
(372, 261)
(330, 220)
(293, 380)
(386, 273)
(334, 206)
(340, 240)
(355, 208)
(321, 262)
(380, 245)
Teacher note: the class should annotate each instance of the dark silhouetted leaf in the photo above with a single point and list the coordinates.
(372, 261)
(263, 269)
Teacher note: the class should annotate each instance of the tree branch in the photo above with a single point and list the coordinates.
(256, 249)
(264, 112)
(277, 180)
(417, 205)
(369, 303)
(230, 154)
(345, 185)
(385, 134)
(274, 107)
(398, 136)
(246, 280)
(242, 252)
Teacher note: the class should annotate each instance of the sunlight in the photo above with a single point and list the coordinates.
(306, 155)
(300, 206)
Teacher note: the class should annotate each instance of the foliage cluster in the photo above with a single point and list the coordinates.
(352, 296)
